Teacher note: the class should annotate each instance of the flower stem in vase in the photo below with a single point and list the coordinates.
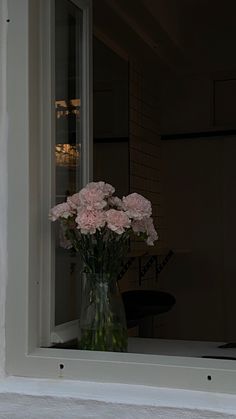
(103, 324)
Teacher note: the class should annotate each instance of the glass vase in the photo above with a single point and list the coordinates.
(102, 320)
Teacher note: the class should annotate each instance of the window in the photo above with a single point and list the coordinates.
(68, 147)
(28, 324)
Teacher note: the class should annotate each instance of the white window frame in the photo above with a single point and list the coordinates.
(24, 357)
(49, 332)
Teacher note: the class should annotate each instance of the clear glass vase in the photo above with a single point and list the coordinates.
(102, 320)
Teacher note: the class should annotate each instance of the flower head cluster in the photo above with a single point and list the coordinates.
(145, 226)
(136, 206)
(95, 208)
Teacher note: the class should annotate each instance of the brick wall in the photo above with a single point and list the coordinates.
(145, 168)
(145, 147)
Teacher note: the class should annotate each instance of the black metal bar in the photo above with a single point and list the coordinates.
(156, 268)
(111, 140)
(201, 134)
(143, 270)
(139, 271)
(165, 261)
(125, 267)
(148, 265)
(159, 266)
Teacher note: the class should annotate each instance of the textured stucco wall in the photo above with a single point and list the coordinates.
(3, 180)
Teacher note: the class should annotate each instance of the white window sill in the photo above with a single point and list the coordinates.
(182, 348)
(120, 393)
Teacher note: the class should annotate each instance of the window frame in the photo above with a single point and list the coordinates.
(26, 237)
(49, 332)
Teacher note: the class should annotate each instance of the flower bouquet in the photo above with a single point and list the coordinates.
(98, 225)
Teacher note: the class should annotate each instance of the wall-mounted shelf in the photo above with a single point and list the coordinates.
(153, 258)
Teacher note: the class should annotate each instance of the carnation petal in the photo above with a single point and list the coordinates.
(117, 221)
(136, 206)
(60, 211)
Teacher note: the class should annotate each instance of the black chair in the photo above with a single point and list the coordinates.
(142, 303)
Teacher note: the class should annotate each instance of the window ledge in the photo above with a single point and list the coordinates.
(120, 393)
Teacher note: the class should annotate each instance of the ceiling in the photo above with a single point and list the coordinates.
(182, 36)
(205, 30)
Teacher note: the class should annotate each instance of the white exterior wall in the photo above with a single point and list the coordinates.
(3, 180)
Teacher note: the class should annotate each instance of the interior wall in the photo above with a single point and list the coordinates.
(199, 178)
(125, 105)
(186, 104)
(111, 118)
(198, 103)
(202, 102)
(145, 163)
(110, 85)
(145, 147)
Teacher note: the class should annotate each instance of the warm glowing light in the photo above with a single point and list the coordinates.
(67, 107)
(67, 155)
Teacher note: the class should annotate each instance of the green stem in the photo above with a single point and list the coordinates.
(106, 331)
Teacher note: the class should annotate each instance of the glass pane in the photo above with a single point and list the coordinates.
(111, 118)
(68, 70)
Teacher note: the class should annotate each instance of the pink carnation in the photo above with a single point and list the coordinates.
(60, 211)
(117, 221)
(92, 198)
(114, 201)
(90, 221)
(74, 201)
(136, 206)
(145, 226)
(106, 188)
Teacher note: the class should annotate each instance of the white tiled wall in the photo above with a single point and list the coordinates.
(145, 148)
(145, 167)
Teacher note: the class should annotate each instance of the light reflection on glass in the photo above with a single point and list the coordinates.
(67, 155)
(65, 108)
